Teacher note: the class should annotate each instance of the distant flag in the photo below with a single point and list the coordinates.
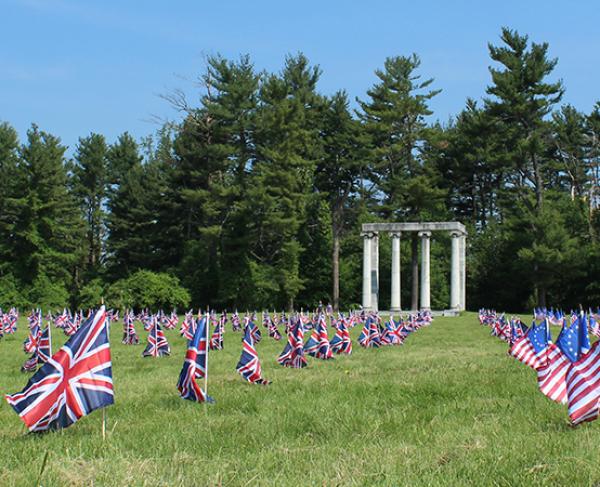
(293, 353)
(44, 348)
(235, 321)
(254, 331)
(130, 336)
(157, 342)
(188, 326)
(216, 340)
(249, 363)
(75, 381)
(195, 366)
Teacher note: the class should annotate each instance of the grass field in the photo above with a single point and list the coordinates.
(447, 408)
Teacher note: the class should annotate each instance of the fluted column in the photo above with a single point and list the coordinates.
(455, 274)
(463, 272)
(375, 271)
(366, 299)
(425, 270)
(395, 302)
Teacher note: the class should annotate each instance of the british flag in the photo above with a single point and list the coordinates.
(44, 347)
(216, 339)
(318, 345)
(172, 321)
(194, 366)
(249, 364)
(157, 342)
(369, 336)
(188, 325)
(75, 381)
(254, 331)
(130, 337)
(235, 322)
(293, 353)
(341, 342)
(30, 343)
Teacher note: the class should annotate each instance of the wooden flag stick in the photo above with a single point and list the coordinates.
(39, 479)
(206, 360)
(104, 424)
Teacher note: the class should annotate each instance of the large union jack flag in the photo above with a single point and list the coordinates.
(75, 381)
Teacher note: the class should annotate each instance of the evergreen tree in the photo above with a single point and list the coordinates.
(89, 186)
(521, 99)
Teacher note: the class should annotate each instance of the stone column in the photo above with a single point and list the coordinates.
(395, 304)
(463, 272)
(455, 274)
(425, 279)
(366, 300)
(375, 271)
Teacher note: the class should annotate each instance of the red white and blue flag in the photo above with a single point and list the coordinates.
(157, 342)
(293, 353)
(249, 364)
(75, 381)
(195, 366)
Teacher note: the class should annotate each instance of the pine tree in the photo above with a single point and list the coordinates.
(90, 181)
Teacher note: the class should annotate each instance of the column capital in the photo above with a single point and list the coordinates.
(369, 234)
(395, 234)
(457, 233)
(424, 234)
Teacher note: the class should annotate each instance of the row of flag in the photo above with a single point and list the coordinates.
(568, 370)
(77, 379)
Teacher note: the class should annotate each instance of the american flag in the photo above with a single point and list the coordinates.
(194, 366)
(531, 349)
(572, 342)
(157, 342)
(75, 381)
(249, 365)
(583, 386)
(293, 353)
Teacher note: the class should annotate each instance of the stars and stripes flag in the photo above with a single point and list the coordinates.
(530, 349)
(157, 342)
(75, 381)
(293, 353)
(583, 386)
(249, 364)
(195, 366)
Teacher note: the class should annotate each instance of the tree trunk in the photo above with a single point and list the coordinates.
(415, 271)
(335, 267)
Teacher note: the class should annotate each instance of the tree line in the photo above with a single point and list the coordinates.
(255, 197)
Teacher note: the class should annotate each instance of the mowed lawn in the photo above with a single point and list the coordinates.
(447, 408)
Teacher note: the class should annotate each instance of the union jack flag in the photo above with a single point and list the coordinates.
(293, 353)
(44, 347)
(75, 381)
(157, 342)
(249, 365)
(318, 345)
(194, 366)
(341, 342)
(216, 339)
(369, 336)
(235, 322)
(130, 336)
(254, 331)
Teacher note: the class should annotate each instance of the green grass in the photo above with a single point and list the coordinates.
(447, 408)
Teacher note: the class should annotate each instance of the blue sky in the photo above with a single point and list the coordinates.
(80, 66)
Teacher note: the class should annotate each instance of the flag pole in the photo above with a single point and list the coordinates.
(104, 408)
(206, 327)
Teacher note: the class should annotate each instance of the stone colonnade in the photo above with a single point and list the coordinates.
(370, 234)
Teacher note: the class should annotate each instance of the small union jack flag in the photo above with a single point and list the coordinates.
(194, 366)
(341, 342)
(293, 353)
(249, 364)
(318, 345)
(369, 336)
(75, 381)
(157, 342)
